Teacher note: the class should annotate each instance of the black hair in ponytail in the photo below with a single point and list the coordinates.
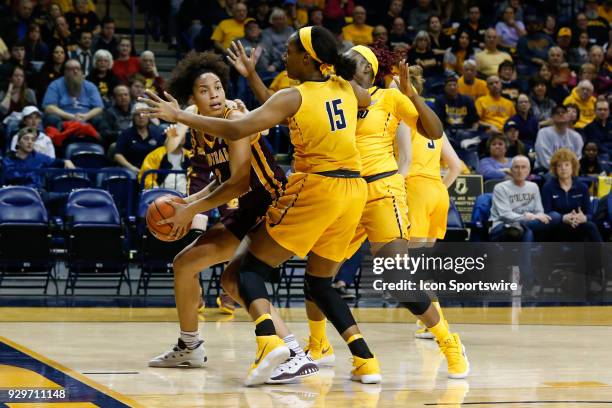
(326, 47)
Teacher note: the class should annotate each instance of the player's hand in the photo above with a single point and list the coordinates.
(243, 63)
(241, 106)
(405, 85)
(181, 219)
(158, 108)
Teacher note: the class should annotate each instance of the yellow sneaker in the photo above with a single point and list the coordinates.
(271, 351)
(320, 351)
(454, 351)
(366, 370)
(226, 304)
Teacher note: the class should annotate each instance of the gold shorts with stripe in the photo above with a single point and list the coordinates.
(317, 213)
(385, 216)
(428, 204)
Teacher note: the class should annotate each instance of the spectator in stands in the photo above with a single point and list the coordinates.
(440, 42)
(561, 73)
(274, 41)
(419, 16)
(493, 109)
(17, 59)
(597, 26)
(569, 198)
(102, 75)
(582, 96)
(125, 65)
(509, 29)
(602, 62)
(422, 55)
(17, 95)
(516, 211)
(47, 21)
(262, 13)
(82, 18)
(550, 25)
(137, 86)
(525, 120)
(148, 69)
(230, 29)
(516, 7)
(35, 48)
(62, 35)
(396, 9)
(489, 59)
(399, 37)
(541, 104)
(599, 131)
(315, 17)
(590, 163)
(107, 40)
(72, 97)
(336, 11)
(469, 84)
(507, 75)
(18, 165)
(136, 142)
(573, 115)
(15, 27)
(251, 41)
(52, 70)
(474, 27)
(161, 159)
(552, 138)
(533, 48)
(380, 35)
(83, 52)
(119, 115)
(31, 117)
(515, 146)
(458, 53)
(579, 54)
(457, 112)
(587, 71)
(359, 33)
(497, 165)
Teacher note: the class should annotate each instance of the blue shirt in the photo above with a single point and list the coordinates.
(57, 94)
(16, 170)
(554, 198)
(528, 129)
(134, 148)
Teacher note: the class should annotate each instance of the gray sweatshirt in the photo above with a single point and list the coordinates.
(549, 141)
(510, 201)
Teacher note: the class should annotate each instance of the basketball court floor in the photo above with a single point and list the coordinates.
(529, 357)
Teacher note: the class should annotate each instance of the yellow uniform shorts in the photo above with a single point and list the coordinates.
(428, 203)
(317, 213)
(385, 216)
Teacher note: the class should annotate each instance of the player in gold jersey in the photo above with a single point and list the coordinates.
(320, 208)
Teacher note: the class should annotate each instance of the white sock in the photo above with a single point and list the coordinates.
(294, 346)
(191, 339)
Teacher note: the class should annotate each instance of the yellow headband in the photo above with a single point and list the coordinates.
(306, 40)
(367, 53)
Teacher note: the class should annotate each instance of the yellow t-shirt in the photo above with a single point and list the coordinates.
(358, 35)
(495, 111)
(227, 31)
(376, 128)
(68, 5)
(587, 109)
(282, 81)
(488, 62)
(474, 91)
(426, 156)
(323, 129)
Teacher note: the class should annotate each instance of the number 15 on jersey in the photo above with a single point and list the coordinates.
(335, 114)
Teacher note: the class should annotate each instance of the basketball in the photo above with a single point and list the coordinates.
(161, 209)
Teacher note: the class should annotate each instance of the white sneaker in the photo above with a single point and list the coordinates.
(293, 369)
(422, 332)
(181, 356)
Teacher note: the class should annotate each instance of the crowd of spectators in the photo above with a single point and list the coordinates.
(517, 78)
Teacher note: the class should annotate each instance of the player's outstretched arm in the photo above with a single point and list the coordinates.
(452, 160)
(280, 106)
(245, 65)
(403, 138)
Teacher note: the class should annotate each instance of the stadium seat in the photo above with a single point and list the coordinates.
(479, 224)
(86, 155)
(455, 229)
(489, 185)
(68, 182)
(155, 256)
(121, 185)
(95, 241)
(25, 240)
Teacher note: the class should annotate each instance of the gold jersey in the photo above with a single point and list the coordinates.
(376, 128)
(323, 129)
(426, 156)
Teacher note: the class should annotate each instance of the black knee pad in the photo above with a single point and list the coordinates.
(418, 303)
(319, 291)
(251, 279)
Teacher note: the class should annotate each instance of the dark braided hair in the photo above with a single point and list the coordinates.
(190, 68)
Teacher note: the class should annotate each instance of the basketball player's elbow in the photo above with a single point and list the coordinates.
(239, 184)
